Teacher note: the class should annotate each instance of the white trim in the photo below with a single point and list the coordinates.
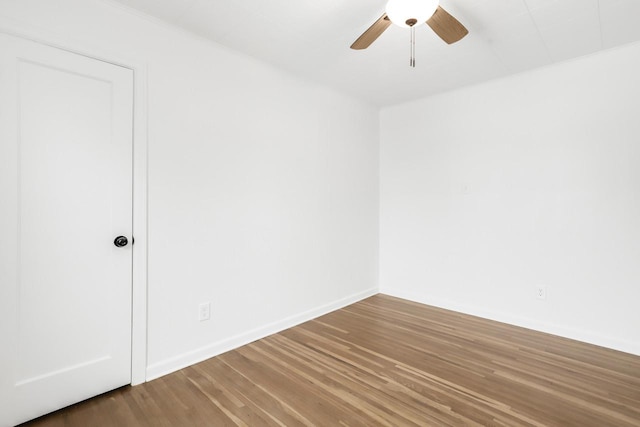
(536, 325)
(139, 279)
(189, 358)
(140, 228)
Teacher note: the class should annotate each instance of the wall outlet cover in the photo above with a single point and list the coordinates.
(541, 292)
(204, 311)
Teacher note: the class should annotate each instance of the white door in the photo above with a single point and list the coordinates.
(65, 195)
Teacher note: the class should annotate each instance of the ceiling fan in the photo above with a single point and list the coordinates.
(410, 14)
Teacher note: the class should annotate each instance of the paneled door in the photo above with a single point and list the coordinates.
(65, 228)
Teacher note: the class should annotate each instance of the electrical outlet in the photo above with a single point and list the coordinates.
(541, 292)
(204, 311)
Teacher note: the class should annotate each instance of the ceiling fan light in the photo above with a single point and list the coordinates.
(399, 11)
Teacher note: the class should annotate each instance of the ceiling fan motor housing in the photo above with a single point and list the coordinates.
(409, 13)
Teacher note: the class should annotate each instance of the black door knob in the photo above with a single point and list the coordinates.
(120, 241)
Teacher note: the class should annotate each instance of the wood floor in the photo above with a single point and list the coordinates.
(388, 362)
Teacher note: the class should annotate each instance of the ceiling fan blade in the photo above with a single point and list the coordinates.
(446, 26)
(372, 33)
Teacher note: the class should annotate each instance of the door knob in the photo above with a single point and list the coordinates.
(120, 241)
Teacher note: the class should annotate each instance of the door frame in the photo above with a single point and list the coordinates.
(140, 160)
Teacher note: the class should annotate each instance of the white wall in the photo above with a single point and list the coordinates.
(491, 190)
(263, 189)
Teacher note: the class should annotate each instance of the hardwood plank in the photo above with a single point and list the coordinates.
(385, 362)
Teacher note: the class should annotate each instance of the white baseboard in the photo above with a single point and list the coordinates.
(559, 330)
(203, 353)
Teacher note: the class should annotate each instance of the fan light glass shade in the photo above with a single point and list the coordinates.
(399, 11)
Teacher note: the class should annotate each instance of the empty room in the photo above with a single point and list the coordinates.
(319, 213)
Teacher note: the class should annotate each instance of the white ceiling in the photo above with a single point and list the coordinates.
(311, 38)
